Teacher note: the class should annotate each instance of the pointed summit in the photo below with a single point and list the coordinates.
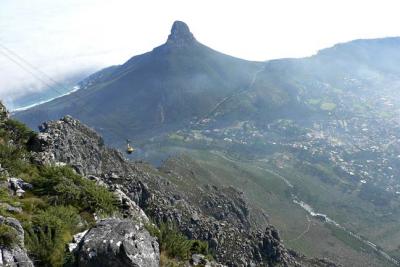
(180, 34)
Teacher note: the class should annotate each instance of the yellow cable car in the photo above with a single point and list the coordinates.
(129, 148)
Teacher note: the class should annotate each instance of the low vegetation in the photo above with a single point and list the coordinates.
(174, 246)
(21, 133)
(8, 236)
(60, 204)
(62, 186)
(49, 232)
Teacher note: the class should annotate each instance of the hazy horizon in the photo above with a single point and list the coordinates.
(68, 37)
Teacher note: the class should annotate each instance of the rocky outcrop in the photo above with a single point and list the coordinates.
(224, 203)
(219, 216)
(18, 186)
(69, 142)
(117, 242)
(180, 35)
(15, 253)
(129, 208)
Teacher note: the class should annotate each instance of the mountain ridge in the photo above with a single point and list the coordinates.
(184, 80)
(150, 77)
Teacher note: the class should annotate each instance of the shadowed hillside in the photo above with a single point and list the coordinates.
(166, 87)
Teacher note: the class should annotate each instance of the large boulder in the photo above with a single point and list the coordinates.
(14, 254)
(118, 242)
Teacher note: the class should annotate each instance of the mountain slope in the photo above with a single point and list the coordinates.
(168, 86)
(184, 81)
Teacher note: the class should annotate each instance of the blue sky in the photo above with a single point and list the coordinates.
(62, 37)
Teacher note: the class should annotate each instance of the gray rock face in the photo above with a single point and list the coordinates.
(10, 208)
(129, 208)
(226, 204)
(68, 141)
(180, 35)
(219, 216)
(115, 242)
(15, 255)
(76, 240)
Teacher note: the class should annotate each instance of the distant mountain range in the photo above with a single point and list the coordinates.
(184, 81)
(168, 86)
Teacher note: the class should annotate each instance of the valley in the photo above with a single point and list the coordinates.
(327, 185)
(338, 165)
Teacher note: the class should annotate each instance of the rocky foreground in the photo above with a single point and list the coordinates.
(69, 142)
(237, 234)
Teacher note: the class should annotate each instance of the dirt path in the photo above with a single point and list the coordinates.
(304, 232)
(227, 98)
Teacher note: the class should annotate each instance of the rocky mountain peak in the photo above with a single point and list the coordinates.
(180, 34)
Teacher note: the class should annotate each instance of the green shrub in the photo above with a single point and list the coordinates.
(175, 244)
(48, 234)
(5, 197)
(62, 186)
(21, 133)
(14, 156)
(88, 218)
(60, 217)
(15, 160)
(8, 235)
(31, 204)
(199, 247)
(9, 155)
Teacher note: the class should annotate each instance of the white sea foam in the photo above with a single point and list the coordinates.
(74, 89)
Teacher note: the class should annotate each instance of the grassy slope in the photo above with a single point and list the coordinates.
(347, 208)
(268, 190)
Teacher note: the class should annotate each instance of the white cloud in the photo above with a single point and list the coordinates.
(61, 37)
